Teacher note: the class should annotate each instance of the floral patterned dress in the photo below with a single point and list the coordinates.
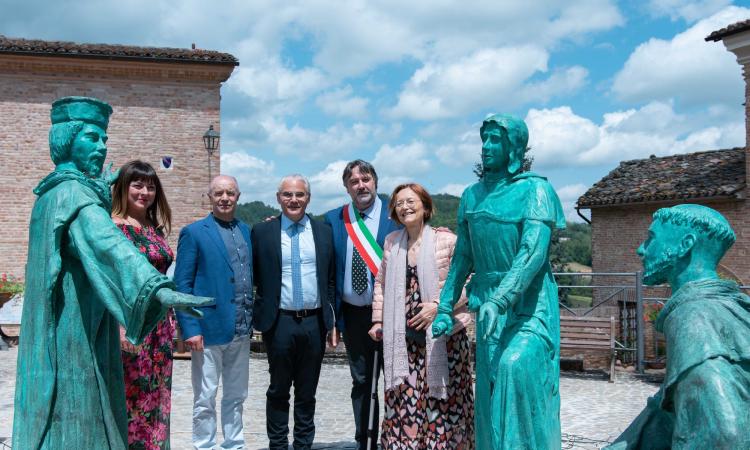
(148, 373)
(414, 420)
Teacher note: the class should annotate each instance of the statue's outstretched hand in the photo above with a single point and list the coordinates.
(183, 302)
(110, 175)
(443, 324)
(488, 314)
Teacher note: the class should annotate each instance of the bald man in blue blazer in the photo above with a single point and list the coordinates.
(214, 259)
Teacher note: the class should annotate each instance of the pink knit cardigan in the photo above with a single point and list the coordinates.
(445, 244)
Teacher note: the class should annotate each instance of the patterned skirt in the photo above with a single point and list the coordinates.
(148, 388)
(414, 420)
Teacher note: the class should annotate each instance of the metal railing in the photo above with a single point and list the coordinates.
(618, 293)
(662, 301)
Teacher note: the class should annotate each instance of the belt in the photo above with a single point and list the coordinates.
(301, 313)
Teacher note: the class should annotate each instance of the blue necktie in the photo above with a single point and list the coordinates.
(296, 269)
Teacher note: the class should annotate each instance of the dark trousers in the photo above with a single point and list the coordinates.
(294, 347)
(360, 349)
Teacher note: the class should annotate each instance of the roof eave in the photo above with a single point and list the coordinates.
(122, 58)
(739, 195)
(729, 30)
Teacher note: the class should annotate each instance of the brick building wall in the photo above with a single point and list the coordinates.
(745, 75)
(160, 109)
(616, 233)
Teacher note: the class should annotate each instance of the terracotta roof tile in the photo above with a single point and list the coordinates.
(737, 27)
(108, 51)
(716, 173)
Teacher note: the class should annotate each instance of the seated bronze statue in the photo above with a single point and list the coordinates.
(704, 401)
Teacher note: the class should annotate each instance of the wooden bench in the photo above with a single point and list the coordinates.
(590, 333)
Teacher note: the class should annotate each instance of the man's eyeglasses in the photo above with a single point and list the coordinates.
(409, 203)
(286, 195)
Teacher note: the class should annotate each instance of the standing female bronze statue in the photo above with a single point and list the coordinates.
(505, 222)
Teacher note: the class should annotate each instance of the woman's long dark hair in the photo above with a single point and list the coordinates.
(159, 213)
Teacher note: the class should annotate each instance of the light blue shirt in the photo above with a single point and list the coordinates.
(372, 221)
(310, 298)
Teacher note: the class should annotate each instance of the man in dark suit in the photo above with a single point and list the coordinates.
(214, 259)
(357, 262)
(294, 309)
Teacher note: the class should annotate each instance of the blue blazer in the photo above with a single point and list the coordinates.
(203, 268)
(335, 218)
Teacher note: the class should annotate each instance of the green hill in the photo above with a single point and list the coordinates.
(570, 245)
(254, 212)
(445, 207)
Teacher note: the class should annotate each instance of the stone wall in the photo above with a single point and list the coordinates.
(160, 109)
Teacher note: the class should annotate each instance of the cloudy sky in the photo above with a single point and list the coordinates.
(406, 84)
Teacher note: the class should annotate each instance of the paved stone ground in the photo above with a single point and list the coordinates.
(593, 411)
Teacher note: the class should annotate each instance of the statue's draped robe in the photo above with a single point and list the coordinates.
(505, 231)
(704, 401)
(83, 278)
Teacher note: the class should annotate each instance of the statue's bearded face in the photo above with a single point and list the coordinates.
(495, 147)
(89, 150)
(659, 253)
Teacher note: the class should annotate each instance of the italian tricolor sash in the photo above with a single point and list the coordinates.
(362, 239)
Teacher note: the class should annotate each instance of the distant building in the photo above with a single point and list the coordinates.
(164, 99)
(622, 203)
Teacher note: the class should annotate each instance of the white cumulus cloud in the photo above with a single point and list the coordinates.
(455, 189)
(569, 195)
(559, 137)
(341, 102)
(462, 151)
(398, 164)
(310, 144)
(255, 176)
(488, 77)
(327, 187)
(685, 68)
(277, 88)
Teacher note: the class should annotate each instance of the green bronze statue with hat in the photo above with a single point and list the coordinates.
(83, 280)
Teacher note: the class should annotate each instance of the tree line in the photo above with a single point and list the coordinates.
(570, 245)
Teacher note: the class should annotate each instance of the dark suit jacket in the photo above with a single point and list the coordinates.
(335, 218)
(203, 269)
(266, 239)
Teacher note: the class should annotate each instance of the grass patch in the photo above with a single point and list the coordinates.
(579, 301)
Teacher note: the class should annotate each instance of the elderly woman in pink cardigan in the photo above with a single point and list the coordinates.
(429, 400)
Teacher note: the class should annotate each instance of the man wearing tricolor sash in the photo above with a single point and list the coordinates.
(359, 230)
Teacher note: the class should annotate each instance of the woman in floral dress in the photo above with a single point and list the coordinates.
(429, 400)
(141, 211)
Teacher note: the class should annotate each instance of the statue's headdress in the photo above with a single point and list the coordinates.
(518, 136)
(84, 109)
